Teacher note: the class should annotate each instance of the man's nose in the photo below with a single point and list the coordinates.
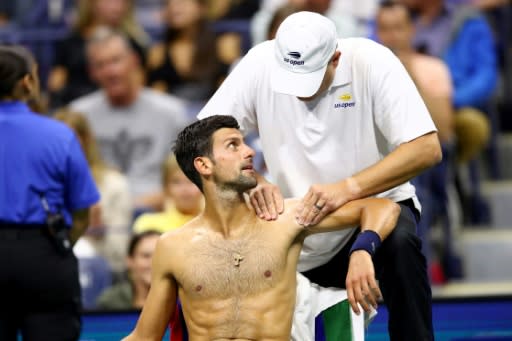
(249, 152)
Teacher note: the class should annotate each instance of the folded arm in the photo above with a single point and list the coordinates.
(376, 214)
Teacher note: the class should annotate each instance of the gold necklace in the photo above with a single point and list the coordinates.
(237, 259)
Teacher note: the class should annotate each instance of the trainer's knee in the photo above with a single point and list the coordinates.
(403, 241)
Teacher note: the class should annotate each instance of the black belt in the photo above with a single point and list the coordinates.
(16, 231)
(410, 204)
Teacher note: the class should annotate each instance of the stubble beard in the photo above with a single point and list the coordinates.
(240, 185)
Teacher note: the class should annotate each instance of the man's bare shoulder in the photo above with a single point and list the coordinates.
(182, 233)
(433, 75)
(287, 218)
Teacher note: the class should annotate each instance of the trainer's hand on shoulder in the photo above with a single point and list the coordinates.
(319, 201)
(361, 285)
(267, 200)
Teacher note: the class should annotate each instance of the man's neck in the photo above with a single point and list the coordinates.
(228, 213)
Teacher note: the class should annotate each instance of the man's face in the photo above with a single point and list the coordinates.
(394, 28)
(112, 66)
(232, 158)
(140, 263)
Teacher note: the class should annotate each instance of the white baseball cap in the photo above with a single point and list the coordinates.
(304, 45)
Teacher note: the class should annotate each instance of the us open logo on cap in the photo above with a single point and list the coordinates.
(294, 58)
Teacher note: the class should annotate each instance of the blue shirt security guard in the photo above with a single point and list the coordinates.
(46, 189)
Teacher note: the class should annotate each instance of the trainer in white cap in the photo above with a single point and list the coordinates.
(304, 44)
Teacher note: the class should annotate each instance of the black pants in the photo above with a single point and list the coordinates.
(402, 272)
(39, 288)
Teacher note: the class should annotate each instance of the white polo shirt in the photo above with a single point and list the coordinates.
(370, 109)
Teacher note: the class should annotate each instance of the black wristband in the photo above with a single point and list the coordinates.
(367, 240)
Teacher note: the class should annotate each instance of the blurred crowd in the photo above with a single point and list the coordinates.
(127, 75)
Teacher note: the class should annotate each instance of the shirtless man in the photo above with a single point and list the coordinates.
(235, 273)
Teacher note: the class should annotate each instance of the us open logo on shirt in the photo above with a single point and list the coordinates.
(346, 101)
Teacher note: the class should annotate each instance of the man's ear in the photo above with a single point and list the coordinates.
(203, 165)
(27, 83)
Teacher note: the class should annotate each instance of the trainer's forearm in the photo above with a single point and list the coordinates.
(402, 164)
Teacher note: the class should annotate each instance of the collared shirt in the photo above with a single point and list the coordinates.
(40, 156)
(370, 109)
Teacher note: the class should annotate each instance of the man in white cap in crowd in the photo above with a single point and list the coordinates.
(339, 120)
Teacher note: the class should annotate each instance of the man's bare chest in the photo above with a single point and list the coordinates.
(222, 268)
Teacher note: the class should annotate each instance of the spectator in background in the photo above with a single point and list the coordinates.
(363, 11)
(7, 9)
(346, 24)
(183, 201)
(279, 15)
(189, 62)
(232, 9)
(431, 76)
(110, 219)
(395, 30)
(232, 18)
(133, 124)
(46, 190)
(15, 13)
(69, 78)
(481, 4)
(462, 37)
(132, 292)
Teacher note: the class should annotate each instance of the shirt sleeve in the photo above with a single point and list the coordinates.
(400, 113)
(81, 191)
(237, 94)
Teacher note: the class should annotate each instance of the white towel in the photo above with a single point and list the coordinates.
(313, 299)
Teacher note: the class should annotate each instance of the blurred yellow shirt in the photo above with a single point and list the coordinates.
(161, 221)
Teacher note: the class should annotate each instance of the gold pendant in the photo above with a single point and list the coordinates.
(237, 258)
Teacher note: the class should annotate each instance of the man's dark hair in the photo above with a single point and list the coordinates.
(196, 140)
(386, 4)
(15, 62)
(137, 238)
(103, 34)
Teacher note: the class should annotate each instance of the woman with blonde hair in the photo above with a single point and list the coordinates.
(69, 77)
(110, 220)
